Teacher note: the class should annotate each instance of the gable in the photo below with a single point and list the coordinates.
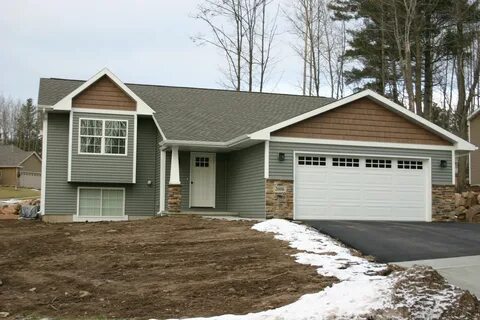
(362, 120)
(104, 94)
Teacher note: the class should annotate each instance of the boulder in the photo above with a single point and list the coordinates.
(461, 216)
(459, 200)
(473, 214)
(471, 199)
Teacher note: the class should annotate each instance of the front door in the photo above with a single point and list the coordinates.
(202, 180)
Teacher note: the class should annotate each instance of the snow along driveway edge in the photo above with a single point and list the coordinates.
(361, 292)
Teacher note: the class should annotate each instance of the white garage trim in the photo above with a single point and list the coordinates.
(427, 168)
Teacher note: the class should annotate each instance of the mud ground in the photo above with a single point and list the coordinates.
(157, 268)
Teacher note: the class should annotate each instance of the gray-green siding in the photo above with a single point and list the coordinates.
(284, 169)
(107, 168)
(246, 181)
(220, 180)
(61, 196)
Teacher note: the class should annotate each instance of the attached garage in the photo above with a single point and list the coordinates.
(351, 187)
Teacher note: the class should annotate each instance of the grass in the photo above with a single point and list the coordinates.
(20, 193)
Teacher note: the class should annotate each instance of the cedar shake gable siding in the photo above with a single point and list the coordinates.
(362, 120)
(104, 94)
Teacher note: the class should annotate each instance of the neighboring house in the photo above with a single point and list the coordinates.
(117, 151)
(19, 168)
(474, 137)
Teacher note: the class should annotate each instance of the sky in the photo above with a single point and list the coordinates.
(139, 41)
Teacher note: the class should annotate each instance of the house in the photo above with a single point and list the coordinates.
(118, 151)
(19, 168)
(474, 157)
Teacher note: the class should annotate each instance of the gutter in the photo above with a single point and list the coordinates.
(211, 144)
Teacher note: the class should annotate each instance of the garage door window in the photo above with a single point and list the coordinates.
(100, 202)
(311, 161)
(410, 164)
(378, 163)
(346, 162)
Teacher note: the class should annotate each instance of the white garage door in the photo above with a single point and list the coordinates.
(361, 188)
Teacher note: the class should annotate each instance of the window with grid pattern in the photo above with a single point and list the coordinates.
(410, 164)
(202, 162)
(378, 163)
(103, 136)
(311, 161)
(346, 162)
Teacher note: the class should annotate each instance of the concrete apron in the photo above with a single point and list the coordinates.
(460, 271)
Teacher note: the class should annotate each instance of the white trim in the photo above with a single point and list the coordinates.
(427, 167)
(103, 137)
(99, 219)
(469, 154)
(70, 137)
(229, 143)
(174, 167)
(267, 160)
(66, 102)
(362, 143)
(163, 155)
(135, 130)
(454, 167)
(213, 156)
(473, 114)
(29, 156)
(77, 217)
(104, 111)
(459, 143)
(43, 183)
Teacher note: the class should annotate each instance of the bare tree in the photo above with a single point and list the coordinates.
(243, 32)
(321, 44)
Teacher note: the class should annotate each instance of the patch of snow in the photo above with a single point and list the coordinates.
(319, 250)
(11, 201)
(362, 292)
(345, 300)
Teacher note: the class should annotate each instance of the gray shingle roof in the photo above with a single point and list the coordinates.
(203, 114)
(11, 156)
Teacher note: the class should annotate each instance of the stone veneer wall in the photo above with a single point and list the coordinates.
(443, 199)
(279, 198)
(174, 201)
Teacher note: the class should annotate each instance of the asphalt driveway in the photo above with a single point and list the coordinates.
(404, 241)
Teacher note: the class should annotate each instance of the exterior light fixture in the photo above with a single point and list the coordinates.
(443, 163)
(281, 156)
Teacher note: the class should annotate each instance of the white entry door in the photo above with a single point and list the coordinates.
(340, 187)
(202, 180)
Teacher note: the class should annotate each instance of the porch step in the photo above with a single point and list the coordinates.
(205, 213)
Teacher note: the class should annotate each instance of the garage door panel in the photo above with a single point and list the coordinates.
(360, 193)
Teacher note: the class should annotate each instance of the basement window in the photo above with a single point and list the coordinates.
(312, 161)
(101, 202)
(346, 162)
(378, 163)
(410, 164)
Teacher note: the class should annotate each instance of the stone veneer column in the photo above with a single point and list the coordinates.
(443, 199)
(174, 203)
(279, 198)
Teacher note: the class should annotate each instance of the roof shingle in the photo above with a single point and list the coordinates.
(11, 156)
(203, 114)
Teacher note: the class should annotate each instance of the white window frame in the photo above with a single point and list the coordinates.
(78, 217)
(103, 137)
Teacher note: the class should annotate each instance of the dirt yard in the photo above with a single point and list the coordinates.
(163, 267)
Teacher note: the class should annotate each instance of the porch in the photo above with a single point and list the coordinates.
(214, 183)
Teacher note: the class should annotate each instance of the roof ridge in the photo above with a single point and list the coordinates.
(206, 89)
